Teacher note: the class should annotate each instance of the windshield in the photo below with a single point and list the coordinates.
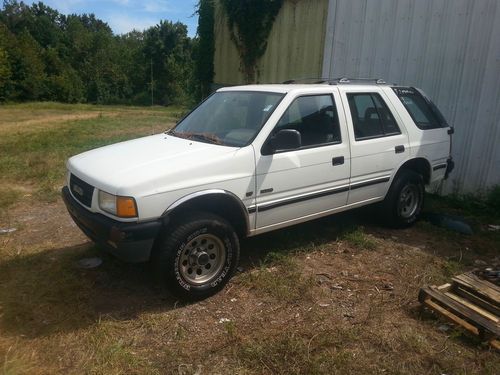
(231, 118)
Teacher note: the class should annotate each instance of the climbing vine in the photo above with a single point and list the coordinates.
(204, 51)
(250, 22)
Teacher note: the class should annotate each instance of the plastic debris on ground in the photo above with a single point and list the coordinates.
(7, 230)
(454, 223)
(87, 263)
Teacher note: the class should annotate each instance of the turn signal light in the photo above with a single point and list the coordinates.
(125, 207)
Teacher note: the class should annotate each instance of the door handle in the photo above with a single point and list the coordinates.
(399, 149)
(339, 160)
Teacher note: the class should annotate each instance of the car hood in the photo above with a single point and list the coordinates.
(126, 167)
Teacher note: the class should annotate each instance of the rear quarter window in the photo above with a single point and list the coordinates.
(423, 112)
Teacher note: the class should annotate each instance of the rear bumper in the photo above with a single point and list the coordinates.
(131, 242)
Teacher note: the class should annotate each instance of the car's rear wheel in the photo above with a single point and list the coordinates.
(197, 256)
(405, 199)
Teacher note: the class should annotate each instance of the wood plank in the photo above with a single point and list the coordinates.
(476, 299)
(484, 282)
(462, 311)
(471, 306)
(495, 344)
(450, 316)
(479, 287)
(444, 287)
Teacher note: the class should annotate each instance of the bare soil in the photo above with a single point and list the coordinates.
(323, 305)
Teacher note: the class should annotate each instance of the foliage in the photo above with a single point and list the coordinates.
(493, 199)
(205, 47)
(485, 205)
(250, 22)
(46, 55)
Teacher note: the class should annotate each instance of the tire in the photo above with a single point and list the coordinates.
(405, 199)
(197, 257)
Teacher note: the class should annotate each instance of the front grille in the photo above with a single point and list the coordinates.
(81, 190)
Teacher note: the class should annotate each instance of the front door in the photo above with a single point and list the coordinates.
(297, 184)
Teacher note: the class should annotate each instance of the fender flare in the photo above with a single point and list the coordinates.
(179, 202)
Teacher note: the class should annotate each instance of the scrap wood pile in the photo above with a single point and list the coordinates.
(471, 300)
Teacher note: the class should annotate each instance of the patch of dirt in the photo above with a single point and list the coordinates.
(44, 225)
(361, 315)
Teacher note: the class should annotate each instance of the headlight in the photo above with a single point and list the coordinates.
(116, 205)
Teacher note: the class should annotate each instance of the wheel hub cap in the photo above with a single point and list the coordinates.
(202, 259)
(408, 201)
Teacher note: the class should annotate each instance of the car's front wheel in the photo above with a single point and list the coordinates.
(405, 199)
(197, 257)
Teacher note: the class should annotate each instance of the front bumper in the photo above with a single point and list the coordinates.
(131, 242)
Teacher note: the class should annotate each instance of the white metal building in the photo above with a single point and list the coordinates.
(449, 48)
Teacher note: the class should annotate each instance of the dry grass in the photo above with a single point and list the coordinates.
(36, 139)
(334, 296)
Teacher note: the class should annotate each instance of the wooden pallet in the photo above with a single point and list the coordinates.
(469, 301)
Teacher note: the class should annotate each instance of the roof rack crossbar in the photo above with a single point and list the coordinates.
(345, 80)
(336, 81)
(314, 79)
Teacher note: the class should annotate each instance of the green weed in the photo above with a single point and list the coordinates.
(280, 277)
(359, 239)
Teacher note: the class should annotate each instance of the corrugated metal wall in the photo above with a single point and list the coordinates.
(449, 48)
(294, 49)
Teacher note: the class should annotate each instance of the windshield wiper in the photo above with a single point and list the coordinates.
(210, 138)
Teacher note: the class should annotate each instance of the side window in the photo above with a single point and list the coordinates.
(371, 117)
(422, 113)
(314, 117)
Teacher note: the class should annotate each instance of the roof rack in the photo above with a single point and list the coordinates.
(337, 81)
(315, 80)
(345, 80)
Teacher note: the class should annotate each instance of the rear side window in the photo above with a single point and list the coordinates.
(371, 117)
(423, 112)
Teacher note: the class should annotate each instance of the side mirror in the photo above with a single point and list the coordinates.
(285, 139)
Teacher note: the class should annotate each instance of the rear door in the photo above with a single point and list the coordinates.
(432, 138)
(379, 142)
(295, 185)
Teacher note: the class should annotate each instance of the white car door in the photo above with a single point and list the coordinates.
(296, 185)
(379, 142)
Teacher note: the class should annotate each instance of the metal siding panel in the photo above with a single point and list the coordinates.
(294, 47)
(469, 100)
(368, 47)
(330, 31)
(226, 59)
(401, 46)
(483, 148)
(385, 36)
(449, 48)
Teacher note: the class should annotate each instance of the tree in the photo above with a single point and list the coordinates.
(28, 73)
(5, 74)
(168, 47)
(204, 48)
(45, 55)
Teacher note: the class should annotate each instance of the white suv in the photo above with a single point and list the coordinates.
(251, 159)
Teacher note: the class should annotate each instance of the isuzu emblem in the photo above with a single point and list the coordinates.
(78, 190)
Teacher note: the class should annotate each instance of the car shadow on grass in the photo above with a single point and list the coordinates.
(46, 292)
(304, 237)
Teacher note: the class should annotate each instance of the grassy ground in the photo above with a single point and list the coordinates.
(36, 139)
(333, 296)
